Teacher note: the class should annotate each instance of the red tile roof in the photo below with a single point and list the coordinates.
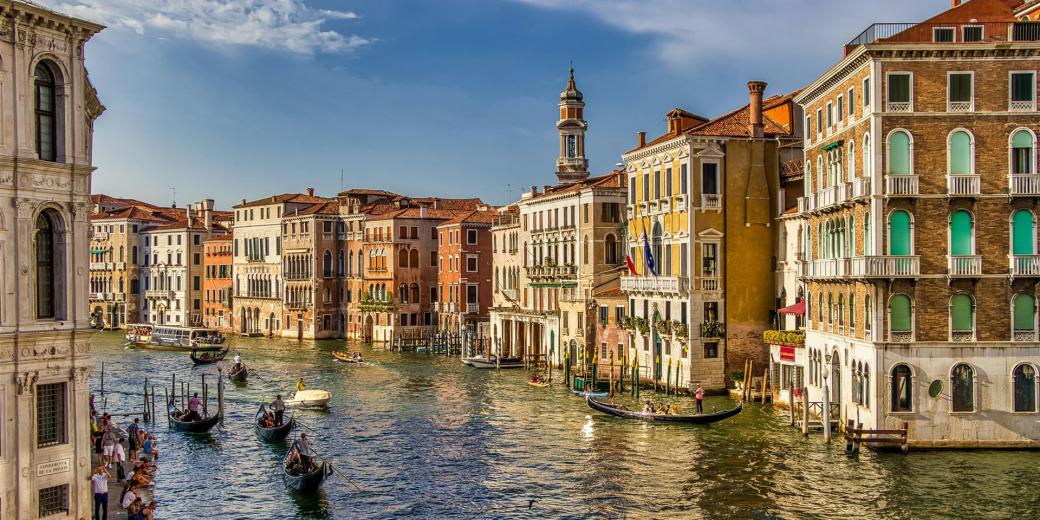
(325, 208)
(609, 293)
(479, 216)
(614, 179)
(284, 198)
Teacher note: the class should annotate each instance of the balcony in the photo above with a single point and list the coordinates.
(472, 308)
(680, 202)
(296, 306)
(102, 266)
(805, 204)
(630, 212)
(100, 235)
(960, 106)
(829, 268)
(711, 201)
(964, 185)
(832, 195)
(900, 106)
(964, 266)
(967, 33)
(667, 285)
(1025, 266)
(1024, 185)
(713, 330)
(159, 293)
(509, 294)
(901, 185)
(709, 284)
(885, 266)
(552, 272)
(860, 187)
(254, 258)
(1022, 106)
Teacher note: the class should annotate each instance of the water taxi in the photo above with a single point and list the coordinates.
(167, 337)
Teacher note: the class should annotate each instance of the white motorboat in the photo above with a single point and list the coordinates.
(310, 399)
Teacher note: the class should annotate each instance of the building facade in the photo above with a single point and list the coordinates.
(217, 310)
(464, 274)
(314, 268)
(919, 229)
(45, 171)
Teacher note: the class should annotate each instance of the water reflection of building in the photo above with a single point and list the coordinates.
(920, 145)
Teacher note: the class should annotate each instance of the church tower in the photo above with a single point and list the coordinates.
(572, 166)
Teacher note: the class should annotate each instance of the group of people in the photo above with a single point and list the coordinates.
(673, 409)
(113, 447)
(301, 457)
(274, 417)
(193, 414)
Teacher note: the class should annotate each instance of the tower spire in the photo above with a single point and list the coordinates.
(571, 166)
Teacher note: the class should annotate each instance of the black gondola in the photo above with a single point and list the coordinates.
(206, 358)
(306, 482)
(704, 418)
(202, 426)
(273, 434)
(238, 376)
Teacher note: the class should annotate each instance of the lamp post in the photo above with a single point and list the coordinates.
(826, 400)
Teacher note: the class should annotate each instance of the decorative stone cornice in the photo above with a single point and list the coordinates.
(27, 382)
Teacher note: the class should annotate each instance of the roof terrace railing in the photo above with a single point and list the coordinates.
(956, 32)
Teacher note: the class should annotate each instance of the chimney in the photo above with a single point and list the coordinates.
(755, 91)
(422, 211)
(642, 138)
(243, 201)
(310, 192)
(955, 3)
(187, 212)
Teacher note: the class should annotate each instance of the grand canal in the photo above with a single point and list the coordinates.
(426, 436)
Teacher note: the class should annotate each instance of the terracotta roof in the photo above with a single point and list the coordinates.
(442, 203)
(101, 198)
(196, 223)
(221, 238)
(614, 179)
(365, 191)
(791, 211)
(978, 11)
(485, 216)
(133, 213)
(416, 213)
(325, 208)
(609, 293)
(1026, 7)
(283, 198)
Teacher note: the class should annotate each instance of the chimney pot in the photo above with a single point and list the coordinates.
(642, 138)
(755, 91)
(310, 192)
(954, 3)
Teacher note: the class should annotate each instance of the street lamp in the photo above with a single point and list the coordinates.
(826, 398)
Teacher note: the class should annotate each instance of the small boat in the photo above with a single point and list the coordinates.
(493, 362)
(207, 358)
(305, 482)
(586, 393)
(238, 376)
(346, 358)
(705, 418)
(202, 426)
(278, 432)
(310, 399)
(467, 361)
(539, 384)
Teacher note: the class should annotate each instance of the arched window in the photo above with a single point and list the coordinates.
(1024, 381)
(350, 263)
(902, 389)
(900, 241)
(1024, 316)
(402, 293)
(960, 159)
(852, 312)
(850, 237)
(962, 317)
(326, 264)
(819, 308)
(868, 313)
(962, 379)
(819, 173)
(852, 160)
(610, 251)
(808, 176)
(901, 316)
(866, 385)
(46, 109)
(1022, 154)
(340, 263)
(48, 264)
(868, 239)
(899, 155)
(413, 258)
(961, 234)
(415, 293)
(841, 310)
(1023, 233)
(402, 259)
(866, 155)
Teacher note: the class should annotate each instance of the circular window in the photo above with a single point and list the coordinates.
(935, 389)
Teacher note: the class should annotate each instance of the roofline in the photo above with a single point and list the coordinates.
(19, 6)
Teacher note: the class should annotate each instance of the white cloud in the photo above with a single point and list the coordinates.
(274, 24)
(687, 31)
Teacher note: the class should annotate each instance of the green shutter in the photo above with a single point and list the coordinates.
(960, 233)
(899, 154)
(1022, 139)
(1025, 309)
(899, 233)
(960, 313)
(1022, 233)
(900, 313)
(960, 154)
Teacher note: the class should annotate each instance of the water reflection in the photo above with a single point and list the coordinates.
(428, 437)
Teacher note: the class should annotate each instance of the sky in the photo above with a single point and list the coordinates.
(239, 99)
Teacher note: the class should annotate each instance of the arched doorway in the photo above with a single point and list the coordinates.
(243, 322)
(835, 379)
(367, 333)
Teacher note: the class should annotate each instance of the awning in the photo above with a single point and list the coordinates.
(832, 146)
(98, 251)
(797, 309)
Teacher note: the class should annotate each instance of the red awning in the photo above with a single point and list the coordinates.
(797, 309)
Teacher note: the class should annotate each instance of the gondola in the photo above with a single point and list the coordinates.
(202, 426)
(278, 432)
(207, 358)
(496, 363)
(306, 482)
(706, 418)
(346, 358)
(238, 376)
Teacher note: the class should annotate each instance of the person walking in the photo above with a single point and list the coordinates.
(108, 445)
(133, 434)
(698, 394)
(99, 483)
(279, 409)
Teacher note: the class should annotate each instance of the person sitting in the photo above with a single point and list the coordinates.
(300, 386)
(133, 512)
(649, 408)
(149, 446)
(128, 496)
(293, 463)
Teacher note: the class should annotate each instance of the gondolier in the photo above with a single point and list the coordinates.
(306, 453)
(279, 409)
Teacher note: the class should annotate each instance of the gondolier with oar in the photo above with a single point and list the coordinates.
(278, 405)
(303, 446)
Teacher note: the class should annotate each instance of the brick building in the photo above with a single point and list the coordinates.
(217, 263)
(464, 284)
(919, 228)
(314, 261)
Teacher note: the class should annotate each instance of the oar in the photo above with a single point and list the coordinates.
(337, 471)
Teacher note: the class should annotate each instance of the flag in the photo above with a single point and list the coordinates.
(631, 265)
(648, 255)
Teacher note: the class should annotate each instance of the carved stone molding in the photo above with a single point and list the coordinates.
(46, 182)
(26, 208)
(27, 382)
(81, 375)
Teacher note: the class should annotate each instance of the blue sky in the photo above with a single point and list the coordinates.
(233, 99)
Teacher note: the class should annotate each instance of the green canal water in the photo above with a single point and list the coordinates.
(428, 437)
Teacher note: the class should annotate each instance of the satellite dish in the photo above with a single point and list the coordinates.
(935, 389)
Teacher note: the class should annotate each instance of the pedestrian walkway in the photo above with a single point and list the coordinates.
(115, 488)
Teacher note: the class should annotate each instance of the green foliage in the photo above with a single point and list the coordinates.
(713, 329)
(784, 337)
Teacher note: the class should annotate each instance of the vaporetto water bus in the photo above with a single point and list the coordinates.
(167, 337)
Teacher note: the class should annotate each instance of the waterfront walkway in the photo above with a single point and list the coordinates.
(115, 488)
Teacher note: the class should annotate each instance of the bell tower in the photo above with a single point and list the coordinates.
(572, 166)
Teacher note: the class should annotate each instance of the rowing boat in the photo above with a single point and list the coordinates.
(238, 376)
(346, 358)
(706, 418)
(496, 363)
(586, 393)
(538, 385)
(202, 426)
(207, 358)
(273, 434)
(306, 482)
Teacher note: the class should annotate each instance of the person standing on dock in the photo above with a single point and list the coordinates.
(99, 482)
(133, 434)
(279, 409)
(698, 394)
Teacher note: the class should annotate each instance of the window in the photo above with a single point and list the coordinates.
(1023, 235)
(48, 264)
(632, 189)
(54, 500)
(657, 187)
(471, 264)
(711, 350)
(960, 153)
(900, 94)
(961, 231)
(942, 34)
(572, 146)
(866, 92)
(683, 171)
(899, 153)
(808, 126)
(900, 239)
(962, 316)
(830, 115)
(960, 92)
(901, 320)
(709, 260)
(841, 108)
(1022, 153)
(972, 33)
(668, 182)
(46, 104)
(902, 389)
(963, 383)
(50, 415)
(1024, 381)
(610, 250)
(1024, 315)
(819, 122)
(852, 103)
(1022, 91)
(471, 236)
(867, 313)
(710, 178)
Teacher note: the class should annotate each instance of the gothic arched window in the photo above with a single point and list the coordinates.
(45, 104)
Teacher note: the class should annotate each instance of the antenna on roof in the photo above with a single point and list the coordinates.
(341, 180)
(509, 193)
(174, 190)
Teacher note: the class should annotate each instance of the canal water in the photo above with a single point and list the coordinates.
(426, 436)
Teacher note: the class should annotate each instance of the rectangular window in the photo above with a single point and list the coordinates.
(899, 92)
(632, 189)
(710, 178)
(471, 237)
(471, 264)
(942, 34)
(619, 314)
(709, 260)
(819, 122)
(196, 283)
(972, 33)
(657, 184)
(683, 255)
(841, 108)
(830, 115)
(585, 211)
(683, 182)
(646, 186)
(50, 414)
(960, 91)
(711, 350)
(196, 259)
(852, 103)
(54, 500)
(866, 92)
(1023, 91)
(471, 294)
(195, 239)
(668, 182)
(808, 126)
(604, 315)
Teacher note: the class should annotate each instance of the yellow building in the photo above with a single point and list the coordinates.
(701, 203)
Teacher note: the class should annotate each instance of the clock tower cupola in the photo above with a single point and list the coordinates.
(572, 166)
